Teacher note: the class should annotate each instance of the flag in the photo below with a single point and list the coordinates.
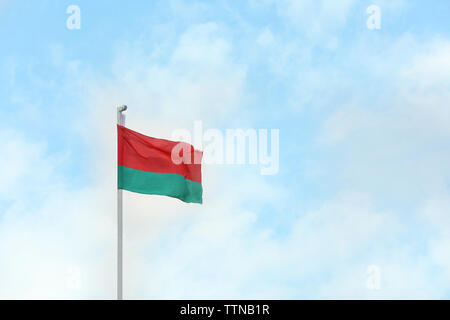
(146, 165)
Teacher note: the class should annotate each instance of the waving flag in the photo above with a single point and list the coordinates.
(146, 165)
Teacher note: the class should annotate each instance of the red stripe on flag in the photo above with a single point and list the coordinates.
(139, 152)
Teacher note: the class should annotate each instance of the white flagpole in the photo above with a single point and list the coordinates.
(120, 121)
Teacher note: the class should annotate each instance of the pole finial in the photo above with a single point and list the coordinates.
(120, 115)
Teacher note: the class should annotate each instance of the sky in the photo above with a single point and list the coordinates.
(360, 205)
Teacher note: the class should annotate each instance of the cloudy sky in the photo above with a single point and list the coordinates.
(360, 207)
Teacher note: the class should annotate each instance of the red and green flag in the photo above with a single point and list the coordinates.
(145, 166)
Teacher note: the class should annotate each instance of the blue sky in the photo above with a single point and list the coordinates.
(364, 147)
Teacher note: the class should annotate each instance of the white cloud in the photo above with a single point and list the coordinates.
(435, 216)
(397, 148)
(199, 81)
(16, 159)
(315, 18)
(266, 38)
(77, 228)
(413, 109)
(223, 249)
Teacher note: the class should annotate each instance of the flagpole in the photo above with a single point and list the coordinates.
(120, 121)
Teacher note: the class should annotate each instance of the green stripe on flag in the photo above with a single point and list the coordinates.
(166, 184)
